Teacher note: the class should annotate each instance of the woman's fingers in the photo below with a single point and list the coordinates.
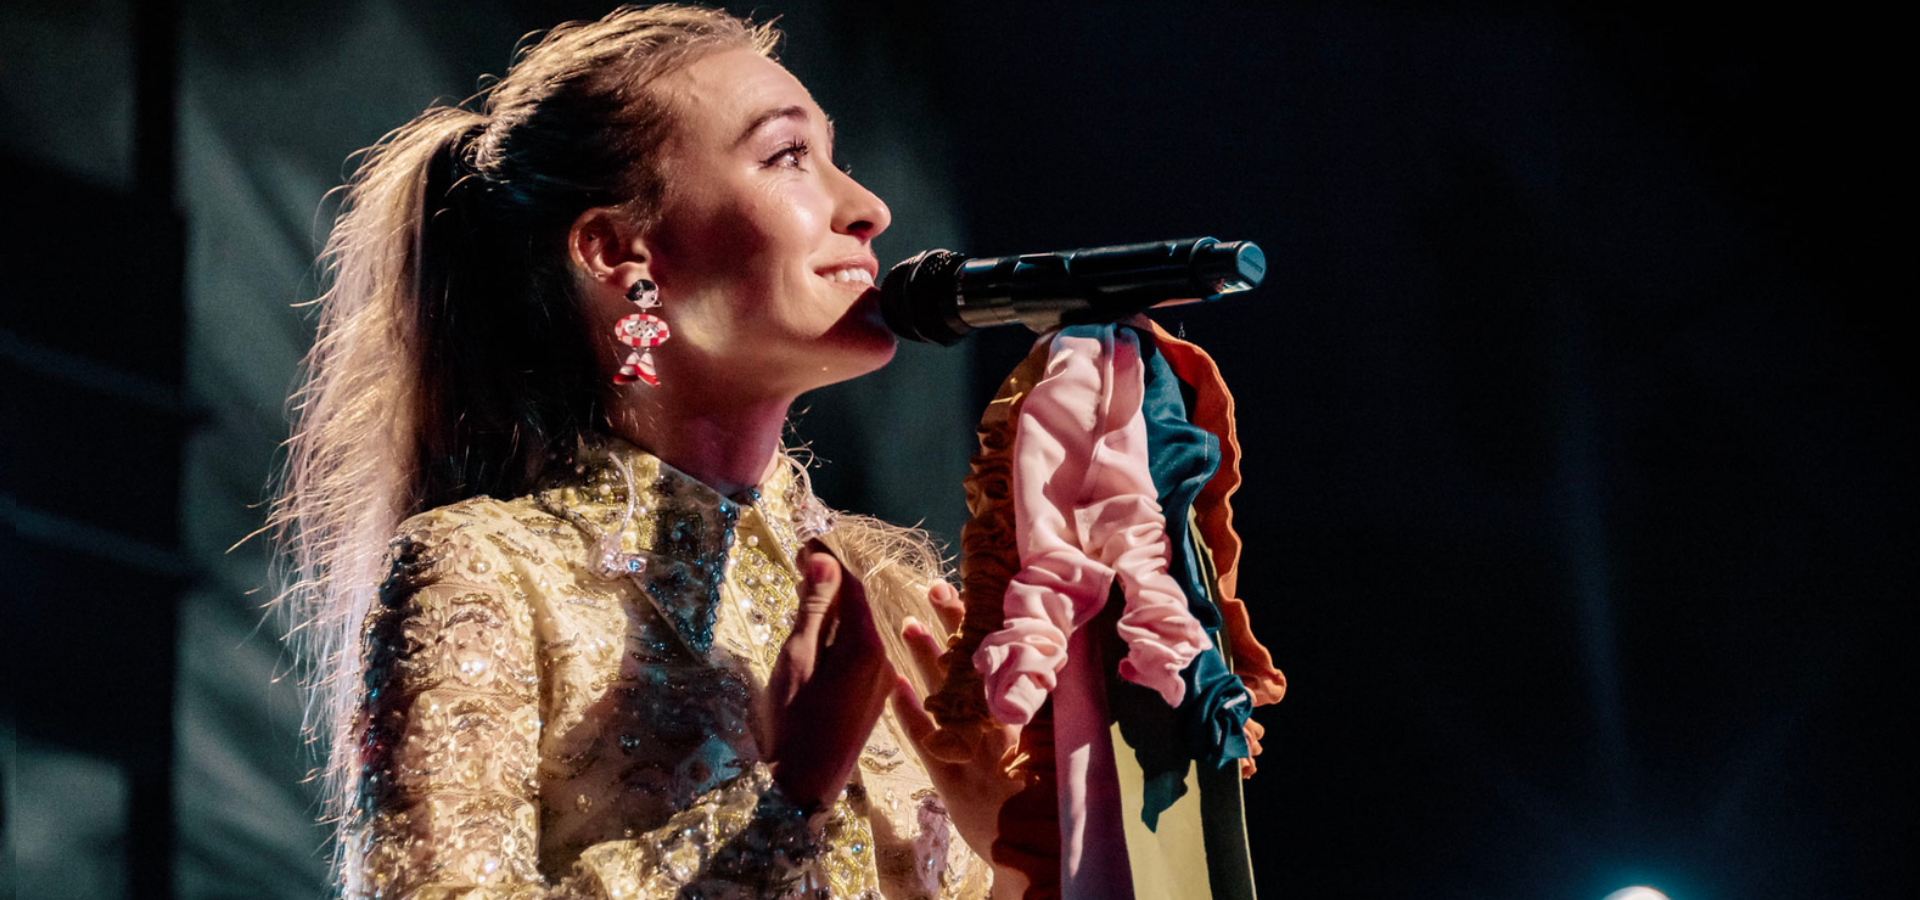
(947, 605)
(926, 651)
(839, 628)
(855, 618)
(829, 686)
(911, 714)
(820, 578)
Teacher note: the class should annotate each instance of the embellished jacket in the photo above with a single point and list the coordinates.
(558, 701)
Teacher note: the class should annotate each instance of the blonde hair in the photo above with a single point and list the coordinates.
(451, 359)
(898, 566)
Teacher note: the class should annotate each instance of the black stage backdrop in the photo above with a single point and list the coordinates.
(1573, 405)
(1573, 411)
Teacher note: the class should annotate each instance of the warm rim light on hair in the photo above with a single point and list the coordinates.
(396, 413)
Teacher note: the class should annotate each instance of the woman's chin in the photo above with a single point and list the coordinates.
(863, 336)
(866, 351)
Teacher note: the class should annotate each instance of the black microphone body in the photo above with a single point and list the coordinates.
(939, 296)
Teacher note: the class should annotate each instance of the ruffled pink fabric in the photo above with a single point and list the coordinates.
(1085, 513)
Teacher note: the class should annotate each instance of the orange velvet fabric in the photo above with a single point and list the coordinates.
(1213, 411)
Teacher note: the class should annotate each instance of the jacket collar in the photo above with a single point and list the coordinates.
(670, 533)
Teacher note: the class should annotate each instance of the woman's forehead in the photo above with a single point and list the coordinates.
(724, 97)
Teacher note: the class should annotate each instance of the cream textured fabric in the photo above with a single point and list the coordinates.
(541, 724)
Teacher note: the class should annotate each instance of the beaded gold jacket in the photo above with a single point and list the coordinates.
(558, 702)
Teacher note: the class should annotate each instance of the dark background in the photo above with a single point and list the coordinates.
(1574, 406)
(1575, 508)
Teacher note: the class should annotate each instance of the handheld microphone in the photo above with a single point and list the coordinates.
(939, 296)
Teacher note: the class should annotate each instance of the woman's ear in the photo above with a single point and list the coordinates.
(606, 249)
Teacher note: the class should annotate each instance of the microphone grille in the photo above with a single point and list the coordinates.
(919, 297)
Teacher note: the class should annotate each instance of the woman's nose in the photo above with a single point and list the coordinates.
(861, 212)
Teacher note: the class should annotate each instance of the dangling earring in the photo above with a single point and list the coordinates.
(642, 331)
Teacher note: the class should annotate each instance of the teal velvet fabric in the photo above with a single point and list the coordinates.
(1207, 726)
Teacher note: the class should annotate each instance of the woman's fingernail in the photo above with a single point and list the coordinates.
(819, 568)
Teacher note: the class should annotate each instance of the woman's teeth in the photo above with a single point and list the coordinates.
(859, 275)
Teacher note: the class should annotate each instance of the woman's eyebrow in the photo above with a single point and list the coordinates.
(759, 121)
(785, 112)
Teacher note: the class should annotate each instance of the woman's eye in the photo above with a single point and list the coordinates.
(790, 156)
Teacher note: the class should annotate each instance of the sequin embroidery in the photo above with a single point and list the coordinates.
(537, 724)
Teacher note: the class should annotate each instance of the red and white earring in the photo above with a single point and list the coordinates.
(642, 331)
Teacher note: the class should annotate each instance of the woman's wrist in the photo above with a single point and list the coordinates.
(790, 830)
(776, 847)
(811, 785)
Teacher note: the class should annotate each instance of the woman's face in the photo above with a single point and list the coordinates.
(763, 248)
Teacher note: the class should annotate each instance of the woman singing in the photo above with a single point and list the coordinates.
(580, 629)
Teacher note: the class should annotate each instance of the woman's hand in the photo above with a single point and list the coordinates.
(973, 791)
(827, 688)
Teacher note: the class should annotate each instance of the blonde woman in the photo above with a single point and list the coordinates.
(578, 626)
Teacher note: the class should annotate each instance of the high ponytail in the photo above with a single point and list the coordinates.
(451, 359)
(351, 474)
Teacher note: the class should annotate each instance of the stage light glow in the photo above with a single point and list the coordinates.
(1637, 892)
